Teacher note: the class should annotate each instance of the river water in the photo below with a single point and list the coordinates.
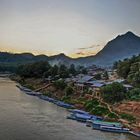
(23, 117)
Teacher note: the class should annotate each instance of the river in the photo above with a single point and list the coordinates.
(23, 117)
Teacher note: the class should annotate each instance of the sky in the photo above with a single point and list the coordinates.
(74, 27)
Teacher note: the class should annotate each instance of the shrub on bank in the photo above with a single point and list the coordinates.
(128, 117)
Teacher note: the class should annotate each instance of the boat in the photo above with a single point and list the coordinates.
(135, 134)
(46, 98)
(65, 105)
(114, 129)
(78, 111)
(23, 88)
(32, 93)
(28, 91)
(79, 117)
(82, 117)
(71, 116)
(93, 118)
(97, 124)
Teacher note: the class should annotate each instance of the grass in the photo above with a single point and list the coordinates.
(128, 117)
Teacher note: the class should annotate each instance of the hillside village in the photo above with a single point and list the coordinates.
(86, 90)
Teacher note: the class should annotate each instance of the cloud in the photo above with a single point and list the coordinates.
(85, 53)
(90, 47)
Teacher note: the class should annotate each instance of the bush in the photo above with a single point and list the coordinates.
(89, 105)
(112, 115)
(69, 90)
(114, 92)
(49, 94)
(60, 84)
(133, 94)
(66, 99)
(128, 117)
(100, 111)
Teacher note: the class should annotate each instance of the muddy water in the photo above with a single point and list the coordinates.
(23, 117)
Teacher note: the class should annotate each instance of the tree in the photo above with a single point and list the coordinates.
(97, 76)
(36, 69)
(115, 65)
(54, 71)
(84, 71)
(114, 92)
(63, 71)
(105, 75)
(69, 90)
(123, 68)
(72, 69)
(133, 94)
(60, 84)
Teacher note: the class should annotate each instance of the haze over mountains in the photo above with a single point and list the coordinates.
(121, 47)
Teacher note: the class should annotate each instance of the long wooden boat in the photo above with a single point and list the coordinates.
(79, 117)
(97, 124)
(23, 88)
(65, 105)
(46, 98)
(32, 93)
(28, 91)
(114, 129)
(135, 134)
(78, 111)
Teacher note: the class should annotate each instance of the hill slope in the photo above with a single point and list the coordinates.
(123, 46)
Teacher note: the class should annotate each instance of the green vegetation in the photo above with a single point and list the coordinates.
(114, 92)
(128, 117)
(96, 108)
(105, 75)
(69, 90)
(129, 69)
(8, 67)
(112, 115)
(66, 99)
(44, 70)
(100, 110)
(98, 76)
(60, 84)
(133, 94)
(89, 105)
(36, 69)
(49, 94)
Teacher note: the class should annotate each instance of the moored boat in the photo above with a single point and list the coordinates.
(28, 91)
(82, 117)
(78, 111)
(114, 129)
(65, 105)
(32, 93)
(46, 98)
(135, 134)
(89, 122)
(97, 124)
(79, 117)
(23, 88)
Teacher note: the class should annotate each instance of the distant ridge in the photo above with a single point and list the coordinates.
(121, 47)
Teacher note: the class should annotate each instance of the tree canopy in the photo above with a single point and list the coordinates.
(114, 92)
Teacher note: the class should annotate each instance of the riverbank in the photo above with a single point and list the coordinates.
(81, 102)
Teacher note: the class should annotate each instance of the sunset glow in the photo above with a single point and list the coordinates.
(63, 26)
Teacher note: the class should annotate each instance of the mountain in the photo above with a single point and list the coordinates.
(6, 57)
(123, 46)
